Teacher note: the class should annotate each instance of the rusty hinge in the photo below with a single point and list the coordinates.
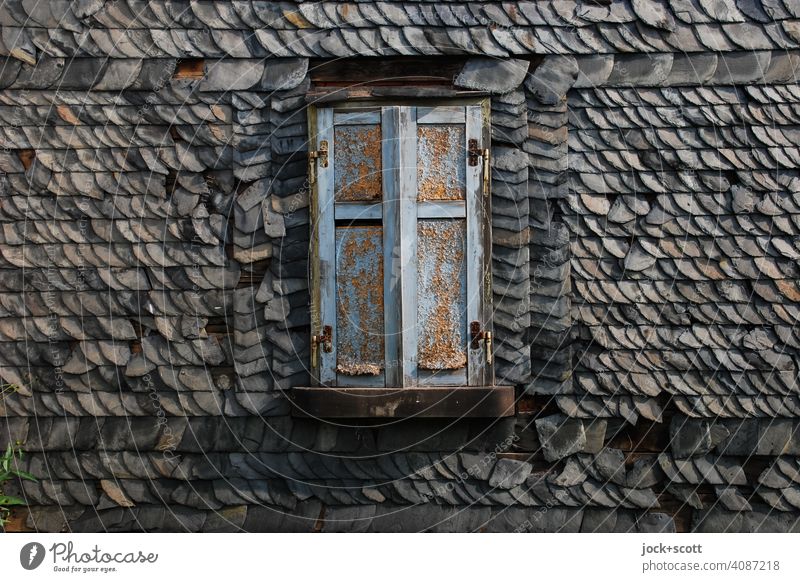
(480, 335)
(486, 172)
(322, 155)
(325, 339)
(476, 152)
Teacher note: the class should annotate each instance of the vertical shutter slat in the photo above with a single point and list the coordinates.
(475, 247)
(325, 247)
(390, 120)
(400, 220)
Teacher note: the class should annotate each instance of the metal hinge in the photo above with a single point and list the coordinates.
(475, 152)
(480, 335)
(486, 172)
(325, 339)
(322, 155)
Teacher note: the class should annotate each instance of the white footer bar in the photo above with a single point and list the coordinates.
(401, 557)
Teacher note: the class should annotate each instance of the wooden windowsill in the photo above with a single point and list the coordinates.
(419, 402)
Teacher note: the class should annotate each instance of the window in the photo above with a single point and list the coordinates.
(401, 246)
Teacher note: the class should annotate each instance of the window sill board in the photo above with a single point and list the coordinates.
(419, 402)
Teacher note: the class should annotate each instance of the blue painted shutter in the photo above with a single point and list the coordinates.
(400, 243)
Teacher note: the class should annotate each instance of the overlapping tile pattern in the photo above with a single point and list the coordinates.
(154, 236)
(256, 28)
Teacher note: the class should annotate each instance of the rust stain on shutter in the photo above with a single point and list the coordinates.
(442, 296)
(441, 166)
(357, 164)
(359, 300)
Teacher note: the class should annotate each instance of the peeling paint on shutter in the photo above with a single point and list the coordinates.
(441, 294)
(357, 165)
(359, 300)
(402, 220)
(441, 170)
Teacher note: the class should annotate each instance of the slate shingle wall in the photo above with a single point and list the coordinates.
(153, 260)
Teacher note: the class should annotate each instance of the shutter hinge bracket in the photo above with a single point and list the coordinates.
(322, 155)
(475, 152)
(325, 339)
(480, 335)
(486, 172)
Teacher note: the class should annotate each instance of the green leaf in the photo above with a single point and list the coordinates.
(23, 475)
(6, 458)
(7, 500)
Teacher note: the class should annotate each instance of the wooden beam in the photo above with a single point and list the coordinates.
(397, 71)
(425, 402)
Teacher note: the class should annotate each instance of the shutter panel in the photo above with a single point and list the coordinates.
(400, 220)
(349, 241)
(399, 246)
(451, 239)
(323, 256)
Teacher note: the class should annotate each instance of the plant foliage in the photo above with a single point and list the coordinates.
(9, 462)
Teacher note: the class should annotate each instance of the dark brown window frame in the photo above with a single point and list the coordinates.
(481, 401)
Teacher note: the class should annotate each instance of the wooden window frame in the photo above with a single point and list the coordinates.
(402, 395)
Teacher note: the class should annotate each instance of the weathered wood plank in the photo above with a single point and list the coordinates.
(430, 402)
(475, 269)
(443, 377)
(357, 211)
(325, 244)
(441, 114)
(403, 71)
(442, 209)
(393, 264)
(407, 266)
(371, 117)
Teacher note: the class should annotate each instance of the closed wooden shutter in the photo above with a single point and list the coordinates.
(400, 246)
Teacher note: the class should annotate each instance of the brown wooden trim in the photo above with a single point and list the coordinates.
(419, 402)
(385, 71)
(365, 78)
(323, 95)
